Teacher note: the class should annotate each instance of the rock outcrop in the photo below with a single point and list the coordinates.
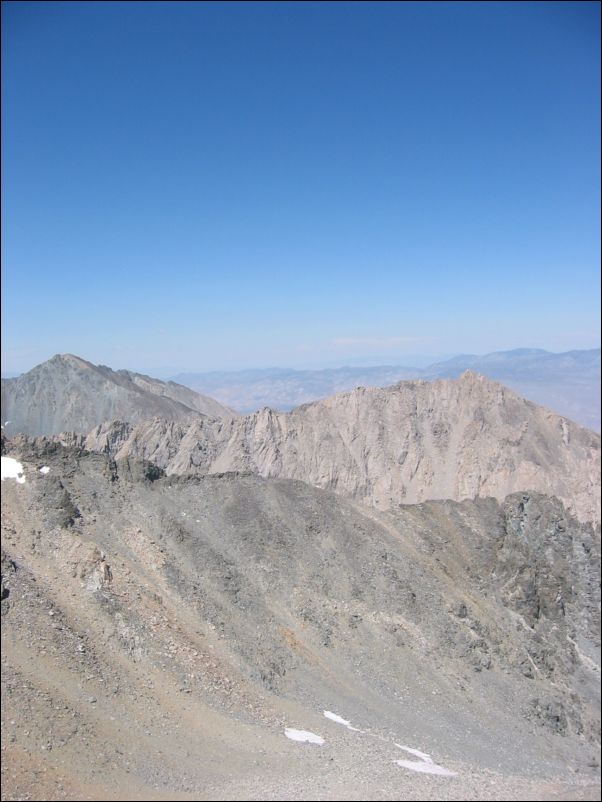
(417, 440)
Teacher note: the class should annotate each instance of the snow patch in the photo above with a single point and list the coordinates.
(340, 720)
(416, 753)
(44, 469)
(11, 469)
(424, 767)
(303, 736)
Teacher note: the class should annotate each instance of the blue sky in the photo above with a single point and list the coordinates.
(221, 186)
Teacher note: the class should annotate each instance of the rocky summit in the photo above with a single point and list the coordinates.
(229, 636)
(68, 393)
(416, 440)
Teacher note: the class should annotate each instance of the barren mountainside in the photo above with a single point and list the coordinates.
(171, 637)
(404, 444)
(177, 392)
(69, 394)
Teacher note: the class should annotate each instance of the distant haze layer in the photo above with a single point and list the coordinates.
(567, 383)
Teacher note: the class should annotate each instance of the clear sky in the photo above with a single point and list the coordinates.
(220, 186)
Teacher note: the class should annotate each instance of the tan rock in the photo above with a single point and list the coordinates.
(404, 444)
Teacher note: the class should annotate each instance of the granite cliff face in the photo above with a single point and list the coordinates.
(416, 440)
(69, 394)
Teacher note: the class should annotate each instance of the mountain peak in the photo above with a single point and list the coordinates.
(472, 375)
(77, 361)
(68, 393)
(69, 360)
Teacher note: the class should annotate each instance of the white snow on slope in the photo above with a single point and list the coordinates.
(416, 753)
(11, 469)
(44, 469)
(424, 767)
(339, 720)
(303, 736)
(425, 764)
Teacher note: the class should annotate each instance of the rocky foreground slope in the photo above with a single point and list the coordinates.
(160, 635)
(69, 394)
(165, 637)
(416, 440)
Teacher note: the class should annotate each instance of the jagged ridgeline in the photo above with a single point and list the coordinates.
(416, 440)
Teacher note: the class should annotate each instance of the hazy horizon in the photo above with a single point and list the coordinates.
(164, 372)
(117, 361)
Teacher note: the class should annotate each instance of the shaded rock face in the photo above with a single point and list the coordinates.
(407, 443)
(536, 559)
(239, 605)
(8, 570)
(69, 394)
(57, 501)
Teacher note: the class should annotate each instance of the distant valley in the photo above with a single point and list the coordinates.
(567, 383)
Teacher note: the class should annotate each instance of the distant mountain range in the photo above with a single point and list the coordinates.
(567, 383)
(68, 393)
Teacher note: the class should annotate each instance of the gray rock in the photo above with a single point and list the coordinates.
(68, 394)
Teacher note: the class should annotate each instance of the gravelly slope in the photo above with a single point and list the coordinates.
(69, 394)
(159, 633)
(413, 441)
